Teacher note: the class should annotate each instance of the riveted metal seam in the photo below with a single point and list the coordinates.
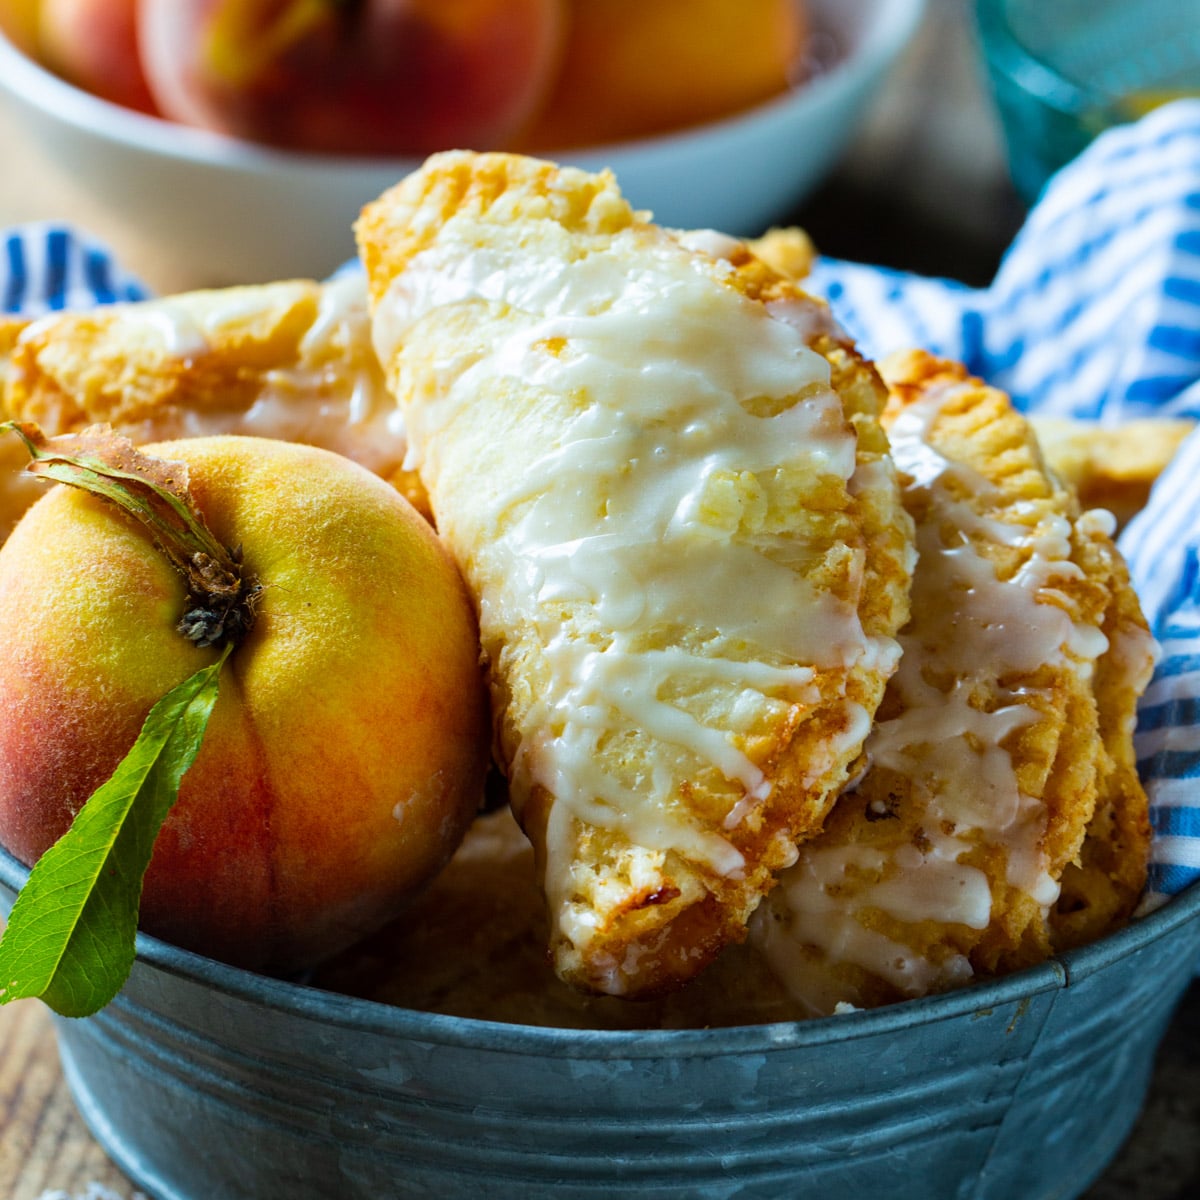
(982, 1178)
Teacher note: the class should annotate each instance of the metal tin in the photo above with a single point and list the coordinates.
(205, 1081)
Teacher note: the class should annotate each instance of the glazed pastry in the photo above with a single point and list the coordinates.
(660, 468)
(291, 360)
(1111, 466)
(1000, 817)
(17, 489)
(473, 944)
(788, 251)
(1102, 887)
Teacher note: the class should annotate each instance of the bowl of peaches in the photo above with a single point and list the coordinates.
(260, 128)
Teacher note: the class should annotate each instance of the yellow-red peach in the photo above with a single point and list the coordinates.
(632, 68)
(19, 23)
(346, 753)
(378, 77)
(93, 44)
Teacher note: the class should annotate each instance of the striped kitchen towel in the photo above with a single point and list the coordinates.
(47, 267)
(1095, 312)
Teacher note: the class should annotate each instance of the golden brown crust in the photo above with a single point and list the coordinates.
(1114, 835)
(653, 918)
(1111, 466)
(291, 360)
(788, 251)
(498, 187)
(1101, 889)
(988, 495)
(76, 369)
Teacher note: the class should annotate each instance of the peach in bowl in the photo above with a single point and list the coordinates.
(234, 210)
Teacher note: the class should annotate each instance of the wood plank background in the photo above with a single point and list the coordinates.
(44, 1144)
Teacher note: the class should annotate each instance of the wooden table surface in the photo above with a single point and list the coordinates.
(45, 1149)
(879, 207)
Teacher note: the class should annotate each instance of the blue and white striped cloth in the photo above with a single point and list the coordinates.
(46, 268)
(1095, 312)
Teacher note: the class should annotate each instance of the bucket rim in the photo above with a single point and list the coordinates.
(358, 1015)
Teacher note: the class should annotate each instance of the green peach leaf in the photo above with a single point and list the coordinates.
(70, 936)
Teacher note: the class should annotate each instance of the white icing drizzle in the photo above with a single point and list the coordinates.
(709, 241)
(805, 314)
(811, 319)
(333, 395)
(818, 919)
(970, 626)
(645, 514)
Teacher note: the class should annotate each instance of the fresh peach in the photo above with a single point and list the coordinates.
(346, 753)
(19, 23)
(634, 67)
(93, 44)
(377, 77)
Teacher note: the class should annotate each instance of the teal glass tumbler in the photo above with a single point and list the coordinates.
(1062, 71)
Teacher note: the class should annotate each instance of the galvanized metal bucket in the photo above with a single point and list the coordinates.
(203, 1081)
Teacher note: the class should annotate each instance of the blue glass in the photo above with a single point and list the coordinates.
(1061, 71)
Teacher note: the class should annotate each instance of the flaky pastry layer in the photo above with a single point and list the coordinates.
(291, 360)
(662, 473)
(1000, 818)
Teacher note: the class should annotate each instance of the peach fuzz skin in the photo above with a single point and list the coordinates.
(346, 753)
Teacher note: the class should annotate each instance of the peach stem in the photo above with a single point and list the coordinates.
(154, 491)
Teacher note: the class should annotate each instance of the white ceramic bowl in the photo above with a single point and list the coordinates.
(242, 213)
